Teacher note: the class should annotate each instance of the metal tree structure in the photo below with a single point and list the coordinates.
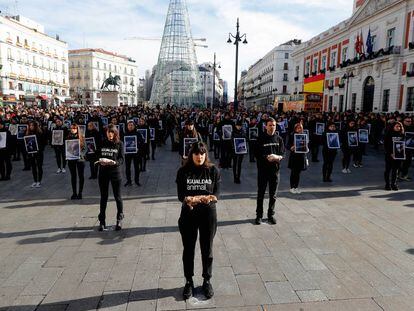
(177, 80)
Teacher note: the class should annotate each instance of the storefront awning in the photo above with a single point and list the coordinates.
(44, 97)
(62, 98)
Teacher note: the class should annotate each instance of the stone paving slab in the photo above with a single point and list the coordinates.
(347, 245)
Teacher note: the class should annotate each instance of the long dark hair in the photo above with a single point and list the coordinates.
(37, 129)
(197, 148)
(112, 128)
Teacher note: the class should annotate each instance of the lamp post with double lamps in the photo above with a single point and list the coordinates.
(237, 38)
(215, 65)
(346, 77)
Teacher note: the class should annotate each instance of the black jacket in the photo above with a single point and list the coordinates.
(112, 151)
(267, 145)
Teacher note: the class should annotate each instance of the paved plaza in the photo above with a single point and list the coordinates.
(348, 245)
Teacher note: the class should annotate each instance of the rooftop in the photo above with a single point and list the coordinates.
(99, 50)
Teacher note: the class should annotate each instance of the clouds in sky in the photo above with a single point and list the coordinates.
(106, 23)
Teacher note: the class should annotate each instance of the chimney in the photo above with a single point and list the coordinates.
(57, 37)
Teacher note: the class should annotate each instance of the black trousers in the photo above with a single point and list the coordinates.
(129, 159)
(203, 219)
(263, 179)
(346, 159)
(237, 164)
(314, 148)
(36, 163)
(113, 176)
(93, 168)
(22, 149)
(406, 164)
(216, 147)
(391, 168)
(327, 167)
(60, 156)
(358, 154)
(77, 169)
(226, 154)
(142, 161)
(153, 148)
(295, 177)
(252, 150)
(5, 165)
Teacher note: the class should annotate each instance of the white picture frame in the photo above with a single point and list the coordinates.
(352, 139)
(320, 129)
(13, 129)
(253, 133)
(90, 145)
(152, 133)
(21, 130)
(187, 145)
(409, 140)
(398, 150)
(57, 137)
(227, 131)
(30, 143)
(363, 136)
(333, 141)
(240, 146)
(301, 143)
(130, 144)
(3, 140)
(72, 149)
(216, 136)
(144, 134)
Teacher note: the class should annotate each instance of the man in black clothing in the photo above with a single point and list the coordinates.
(270, 153)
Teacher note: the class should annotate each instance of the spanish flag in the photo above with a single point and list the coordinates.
(314, 84)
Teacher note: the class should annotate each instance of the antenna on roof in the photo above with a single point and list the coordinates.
(16, 7)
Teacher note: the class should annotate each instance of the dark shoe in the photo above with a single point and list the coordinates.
(138, 184)
(387, 187)
(102, 226)
(7, 178)
(79, 196)
(188, 290)
(258, 221)
(153, 158)
(128, 183)
(329, 180)
(394, 187)
(118, 225)
(74, 196)
(208, 289)
(272, 220)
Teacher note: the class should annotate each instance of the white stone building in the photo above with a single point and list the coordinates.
(268, 77)
(33, 65)
(329, 64)
(88, 70)
(206, 79)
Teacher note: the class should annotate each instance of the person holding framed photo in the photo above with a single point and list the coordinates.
(226, 126)
(198, 185)
(110, 159)
(253, 136)
(315, 139)
(77, 166)
(363, 140)
(92, 157)
(144, 151)
(188, 132)
(36, 158)
(134, 157)
(216, 138)
(237, 156)
(154, 129)
(405, 166)
(349, 144)
(329, 151)
(270, 154)
(297, 158)
(59, 133)
(6, 147)
(395, 132)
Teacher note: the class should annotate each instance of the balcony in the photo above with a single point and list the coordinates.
(341, 85)
(410, 74)
(34, 49)
(19, 44)
(322, 71)
(35, 66)
(78, 77)
(42, 52)
(285, 79)
(27, 47)
(332, 68)
(314, 73)
(330, 87)
(296, 78)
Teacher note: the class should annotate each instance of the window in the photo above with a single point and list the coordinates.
(18, 39)
(315, 64)
(285, 77)
(341, 103)
(410, 99)
(353, 104)
(323, 62)
(286, 55)
(132, 71)
(411, 67)
(284, 89)
(110, 66)
(344, 54)
(333, 59)
(390, 37)
(307, 70)
(385, 100)
(374, 42)
(285, 66)
(9, 54)
(330, 103)
(34, 61)
(104, 66)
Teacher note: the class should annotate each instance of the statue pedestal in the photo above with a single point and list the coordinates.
(110, 98)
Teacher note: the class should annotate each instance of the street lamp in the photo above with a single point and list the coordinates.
(346, 77)
(237, 38)
(215, 65)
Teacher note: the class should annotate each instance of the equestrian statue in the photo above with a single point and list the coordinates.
(114, 81)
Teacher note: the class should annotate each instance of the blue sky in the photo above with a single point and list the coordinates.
(105, 24)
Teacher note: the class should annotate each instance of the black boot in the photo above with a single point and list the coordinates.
(188, 289)
(102, 226)
(118, 225)
(208, 289)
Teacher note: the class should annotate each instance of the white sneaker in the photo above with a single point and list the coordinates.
(344, 171)
(348, 171)
(298, 191)
(58, 171)
(33, 185)
(292, 190)
(63, 170)
(355, 165)
(37, 185)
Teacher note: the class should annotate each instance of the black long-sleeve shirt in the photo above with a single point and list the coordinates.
(193, 181)
(113, 151)
(268, 145)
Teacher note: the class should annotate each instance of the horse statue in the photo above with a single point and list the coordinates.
(114, 81)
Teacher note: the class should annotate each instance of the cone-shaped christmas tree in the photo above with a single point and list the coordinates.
(177, 80)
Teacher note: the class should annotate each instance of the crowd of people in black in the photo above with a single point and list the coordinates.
(108, 137)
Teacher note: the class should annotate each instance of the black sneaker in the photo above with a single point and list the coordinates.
(258, 221)
(74, 197)
(128, 183)
(272, 220)
(394, 187)
(118, 225)
(387, 187)
(208, 289)
(102, 226)
(188, 290)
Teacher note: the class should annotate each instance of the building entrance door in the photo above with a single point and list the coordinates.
(369, 88)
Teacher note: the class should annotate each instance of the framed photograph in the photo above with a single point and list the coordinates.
(30, 143)
(130, 144)
(240, 146)
(227, 131)
(21, 130)
(282, 126)
(72, 149)
(57, 138)
(136, 119)
(210, 128)
(67, 123)
(306, 132)
(104, 121)
(144, 134)
(82, 130)
(216, 136)
(301, 143)
(13, 129)
(160, 124)
(409, 140)
(3, 140)
(90, 145)
(152, 133)
(363, 136)
(320, 129)
(188, 142)
(253, 133)
(96, 125)
(121, 127)
(352, 139)
(398, 150)
(264, 127)
(333, 140)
